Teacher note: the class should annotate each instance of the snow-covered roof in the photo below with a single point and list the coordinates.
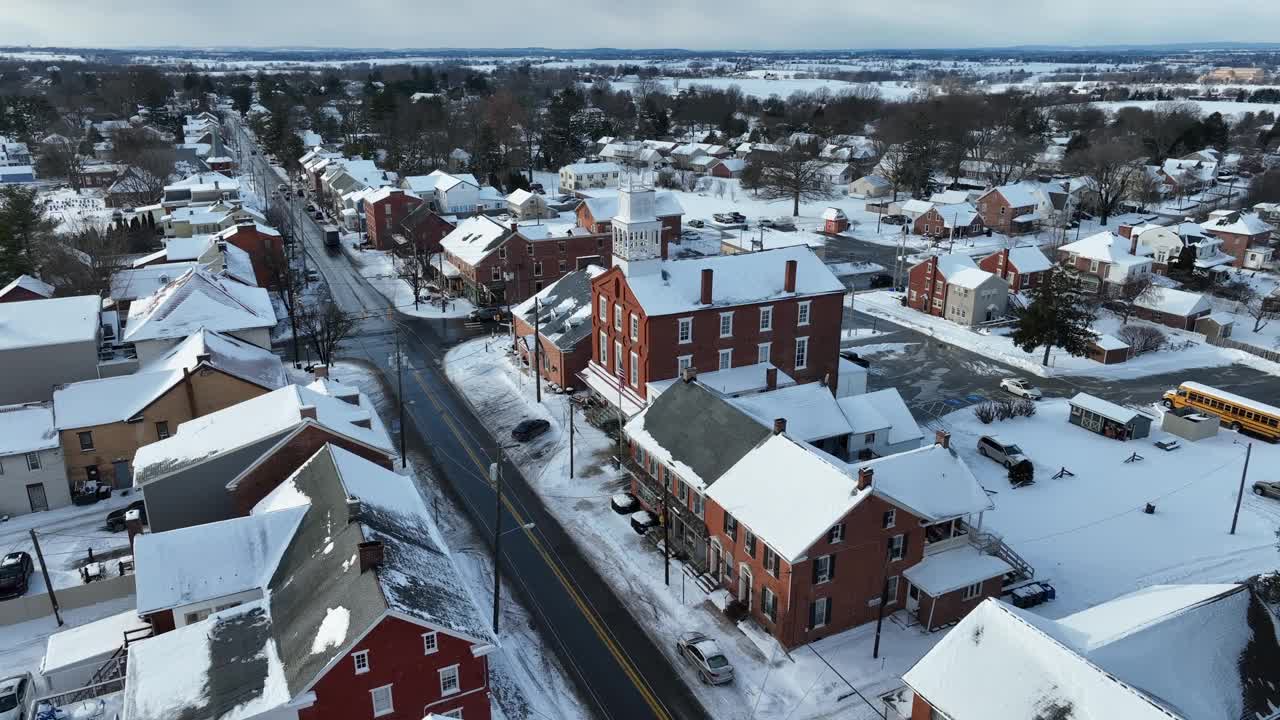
(731, 381)
(960, 215)
(91, 642)
(931, 482)
(970, 277)
(133, 283)
(599, 167)
(52, 321)
(1027, 259)
(1105, 246)
(564, 308)
(951, 264)
(950, 570)
(875, 180)
(834, 213)
(1173, 302)
(377, 195)
(223, 352)
(1016, 195)
(675, 286)
(1105, 408)
(182, 249)
(27, 428)
(734, 164)
(238, 265)
(30, 284)
(1192, 652)
(873, 411)
(1238, 223)
(916, 207)
(811, 411)
(519, 196)
(1110, 342)
(474, 238)
(195, 300)
(606, 208)
(949, 197)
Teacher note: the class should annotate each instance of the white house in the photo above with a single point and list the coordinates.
(452, 192)
(581, 176)
(33, 476)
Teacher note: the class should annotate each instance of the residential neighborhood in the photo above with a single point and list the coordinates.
(343, 381)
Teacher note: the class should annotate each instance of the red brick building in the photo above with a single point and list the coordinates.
(813, 556)
(1106, 262)
(596, 213)
(1238, 231)
(264, 245)
(1022, 267)
(385, 211)
(1009, 209)
(927, 282)
(563, 326)
(425, 228)
(25, 287)
(955, 221)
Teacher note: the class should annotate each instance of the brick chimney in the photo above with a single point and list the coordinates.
(307, 411)
(707, 274)
(864, 477)
(789, 281)
(515, 226)
(1133, 245)
(1125, 231)
(371, 555)
(943, 438)
(689, 374)
(779, 426)
(133, 523)
(771, 378)
(320, 371)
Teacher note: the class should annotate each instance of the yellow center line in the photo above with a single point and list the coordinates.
(650, 699)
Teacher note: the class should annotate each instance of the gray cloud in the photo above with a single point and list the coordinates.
(693, 24)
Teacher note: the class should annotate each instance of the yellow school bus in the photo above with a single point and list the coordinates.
(1236, 412)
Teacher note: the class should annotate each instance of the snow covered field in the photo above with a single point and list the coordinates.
(770, 683)
(1226, 107)
(75, 212)
(378, 267)
(1088, 534)
(995, 344)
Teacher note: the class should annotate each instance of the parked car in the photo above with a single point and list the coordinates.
(881, 280)
(852, 356)
(115, 518)
(1007, 454)
(766, 222)
(705, 656)
(15, 696)
(15, 574)
(537, 188)
(624, 503)
(1021, 388)
(1267, 489)
(894, 219)
(529, 429)
(696, 223)
(485, 314)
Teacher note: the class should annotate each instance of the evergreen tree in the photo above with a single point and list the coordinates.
(1059, 315)
(23, 228)
(1216, 132)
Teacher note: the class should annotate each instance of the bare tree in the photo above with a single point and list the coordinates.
(793, 175)
(1111, 168)
(61, 158)
(1142, 338)
(325, 326)
(83, 263)
(410, 269)
(1260, 310)
(1125, 299)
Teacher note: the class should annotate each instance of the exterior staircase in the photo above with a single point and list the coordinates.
(992, 544)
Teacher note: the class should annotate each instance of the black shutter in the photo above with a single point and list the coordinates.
(830, 616)
(813, 614)
(831, 567)
(815, 570)
(905, 538)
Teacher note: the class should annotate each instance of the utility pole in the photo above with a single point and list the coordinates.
(495, 476)
(404, 457)
(44, 570)
(1248, 449)
(666, 537)
(570, 438)
(537, 351)
(884, 599)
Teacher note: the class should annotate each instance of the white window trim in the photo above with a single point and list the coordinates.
(681, 323)
(766, 318)
(825, 604)
(901, 551)
(805, 310)
(355, 661)
(635, 326)
(824, 577)
(617, 317)
(970, 592)
(391, 702)
(604, 350)
(435, 643)
(892, 582)
(604, 309)
(723, 317)
(457, 685)
(617, 357)
(721, 355)
(683, 362)
(764, 352)
(805, 341)
(893, 518)
(635, 370)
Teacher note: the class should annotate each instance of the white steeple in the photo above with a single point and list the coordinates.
(637, 231)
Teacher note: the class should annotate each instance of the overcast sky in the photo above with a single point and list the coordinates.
(692, 24)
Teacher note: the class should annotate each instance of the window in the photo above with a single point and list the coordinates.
(528, 247)
(766, 318)
(495, 273)
(454, 713)
(682, 362)
(449, 680)
(836, 533)
(763, 351)
(635, 370)
(869, 438)
(749, 543)
(361, 660)
(86, 439)
(802, 353)
(685, 330)
(563, 266)
(819, 612)
(502, 253)
(802, 313)
(682, 492)
(891, 595)
(560, 246)
(604, 350)
(537, 269)
(769, 604)
(382, 701)
(617, 316)
(726, 324)
(1093, 266)
(617, 358)
(823, 569)
(971, 591)
(897, 547)
(430, 643)
(604, 309)
(162, 429)
(635, 326)
(770, 561)
(726, 359)
(698, 503)
(731, 527)
(890, 518)
(33, 461)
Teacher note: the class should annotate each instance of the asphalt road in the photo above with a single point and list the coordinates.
(617, 666)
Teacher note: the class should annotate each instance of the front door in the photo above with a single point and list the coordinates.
(744, 586)
(913, 600)
(35, 495)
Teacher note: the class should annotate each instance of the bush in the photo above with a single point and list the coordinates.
(1024, 408)
(1022, 473)
(1142, 338)
(991, 410)
(985, 412)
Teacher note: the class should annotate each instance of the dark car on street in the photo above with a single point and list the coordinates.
(15, 572)
(115, 518)
(529, 429)
(485, 314)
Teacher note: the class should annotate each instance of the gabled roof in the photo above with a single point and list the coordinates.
(136, 282)
(474, 238)
(1028, 259)
(564, 308)
(811, 411)
(1016, 195)
(1173, 302)
(878, 410)
(931, 482)
(27, 428)
(53, 321)
(519, 196)
(238, 265)
(1238, 223)
(231, 355)
(1105, 246)
(195, 300)
(605, 208)
(1187, 652)
(30, 284)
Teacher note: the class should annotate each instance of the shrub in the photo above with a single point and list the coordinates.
(1142, 338)
(1022, 473)
(985, 412)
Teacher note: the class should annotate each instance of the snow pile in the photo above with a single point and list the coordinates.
(332, 632)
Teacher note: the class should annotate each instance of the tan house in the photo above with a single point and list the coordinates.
(102, 423)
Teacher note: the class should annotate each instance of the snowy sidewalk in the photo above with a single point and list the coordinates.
(379, 268)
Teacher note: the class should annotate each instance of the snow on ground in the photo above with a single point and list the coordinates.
(1226, 107)
(1189, 349)
(769, 683)
(22, 645)
(76, 211)
(66, 536)
(378, 267)
(783, 87)
(1088, 534)
(526, 678)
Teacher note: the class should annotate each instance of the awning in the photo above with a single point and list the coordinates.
(951, 570)
(608, 388)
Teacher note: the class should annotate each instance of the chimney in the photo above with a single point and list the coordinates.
(320, 371)
(706, 285)
(1125, 231)
(222, 247)
(771, 378)
(864, 477)
(943, 438)
(779, 426)
(133, 523)
(689, 374)
(371, 555)
(515, 226)
(1133, 245)
(354, 508)
(307, 411)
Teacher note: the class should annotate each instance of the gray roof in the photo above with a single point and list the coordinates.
(702, 429)
(559, 306)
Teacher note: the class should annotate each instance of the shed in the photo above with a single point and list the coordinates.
(73, 656)
(1107, 418)
(1108, 350)
(834, 221)
(1215, 326)
(1189, 423)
